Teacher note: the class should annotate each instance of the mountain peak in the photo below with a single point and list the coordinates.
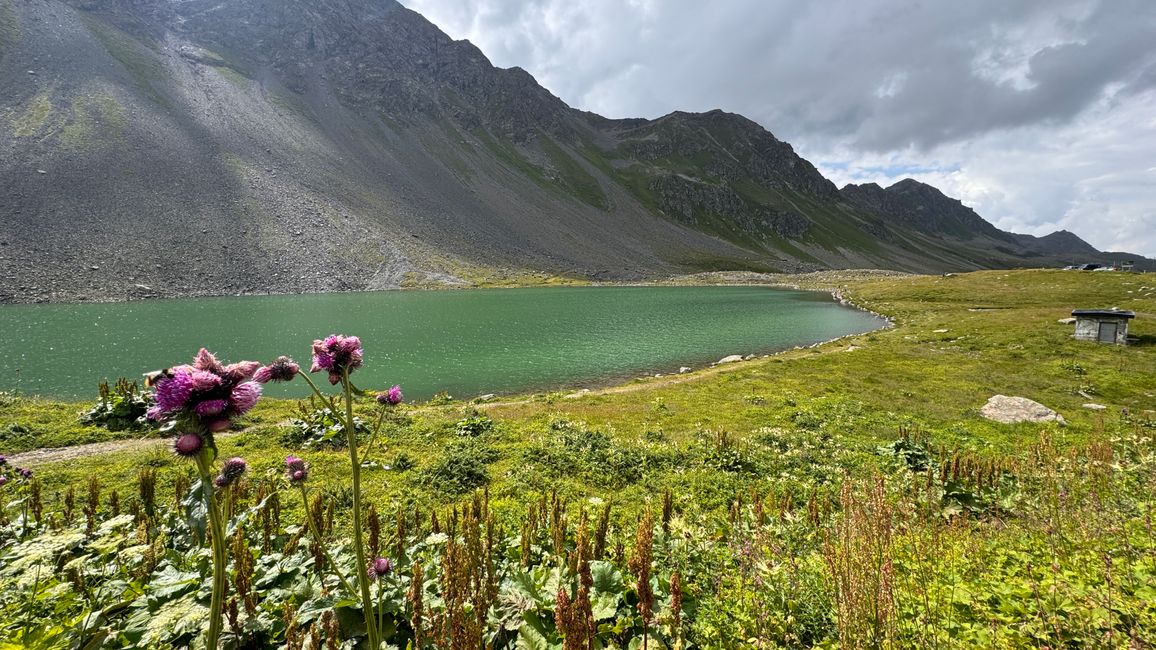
(362, 147)
(910, 185)
(925, 207)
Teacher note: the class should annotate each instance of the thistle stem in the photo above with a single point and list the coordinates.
(325, 399)
(312, 526)
(376, 430)
(220, 559)
(358, 539)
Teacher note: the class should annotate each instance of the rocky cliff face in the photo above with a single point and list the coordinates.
(1060, 242)
(924, 208)
(161, 148)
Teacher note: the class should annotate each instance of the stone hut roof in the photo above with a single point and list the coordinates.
(1103, 313)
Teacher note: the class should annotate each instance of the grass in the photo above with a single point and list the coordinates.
(445, 146)
(93, 116)
(509, 155)
(233, 76)
(138, 60)
(35, 116)
(787, 474)
(566, 176)
(28, 423)
(573, 176)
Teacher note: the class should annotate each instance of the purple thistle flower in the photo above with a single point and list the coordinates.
(24, 473)
(336, 353)
(173, 393)
(379, 568)
(245, 396)
(392, 397)
(188, 445)
(233, 469)
(210, 407)
(296, 470)
(240, 371)
(3, 461)
(208, 391)
(282, 369)
(207, 362)
(321, 360)
(203, 381)
(3, 480)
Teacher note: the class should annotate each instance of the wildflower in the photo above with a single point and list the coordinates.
(3, 480)
(379, 568)
(240, 371)
(3, 461)
(337, 354)
(245, 396)
(233, 469)
(206, 361)
(188, 445)
(207, 392)
(211, 407)
(392, 397)
(203, 381)
(24, 473)
(282, 369)
(296, 470)
(172, 392)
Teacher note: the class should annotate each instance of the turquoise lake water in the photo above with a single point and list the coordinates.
(466, 343)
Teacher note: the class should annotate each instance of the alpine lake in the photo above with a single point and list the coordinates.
(465, 343)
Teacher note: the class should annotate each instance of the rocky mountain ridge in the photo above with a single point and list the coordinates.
(159, 148)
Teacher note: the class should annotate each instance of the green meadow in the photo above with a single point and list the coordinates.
(844, 495)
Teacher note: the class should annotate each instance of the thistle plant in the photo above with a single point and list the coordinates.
(193, 402)
(20, 478)
(338, 356)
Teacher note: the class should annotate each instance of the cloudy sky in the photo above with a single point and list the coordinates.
(1041, 115)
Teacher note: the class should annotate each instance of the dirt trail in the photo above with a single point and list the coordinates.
(62, 454)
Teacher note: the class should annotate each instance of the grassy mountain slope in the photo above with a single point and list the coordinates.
(152, 148)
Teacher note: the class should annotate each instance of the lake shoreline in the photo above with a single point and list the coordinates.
(464, 343)
(809, 281)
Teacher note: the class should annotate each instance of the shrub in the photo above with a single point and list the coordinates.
(120, 408)
(461, 469)
(474, 425)
(319, 427)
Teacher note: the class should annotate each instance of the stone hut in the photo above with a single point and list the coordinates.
(1103, 325)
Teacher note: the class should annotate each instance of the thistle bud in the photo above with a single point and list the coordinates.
(233, 469)
(296, 470)
(379, 568)
(391, 397)
(188, 445)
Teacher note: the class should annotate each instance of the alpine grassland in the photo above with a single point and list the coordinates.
(846, 495)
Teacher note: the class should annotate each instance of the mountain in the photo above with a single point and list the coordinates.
(205, 147)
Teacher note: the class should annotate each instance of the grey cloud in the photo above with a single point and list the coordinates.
(816, 68)
(923, 82)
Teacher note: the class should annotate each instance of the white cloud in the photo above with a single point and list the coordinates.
(1038, 115)
(1093, 176)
